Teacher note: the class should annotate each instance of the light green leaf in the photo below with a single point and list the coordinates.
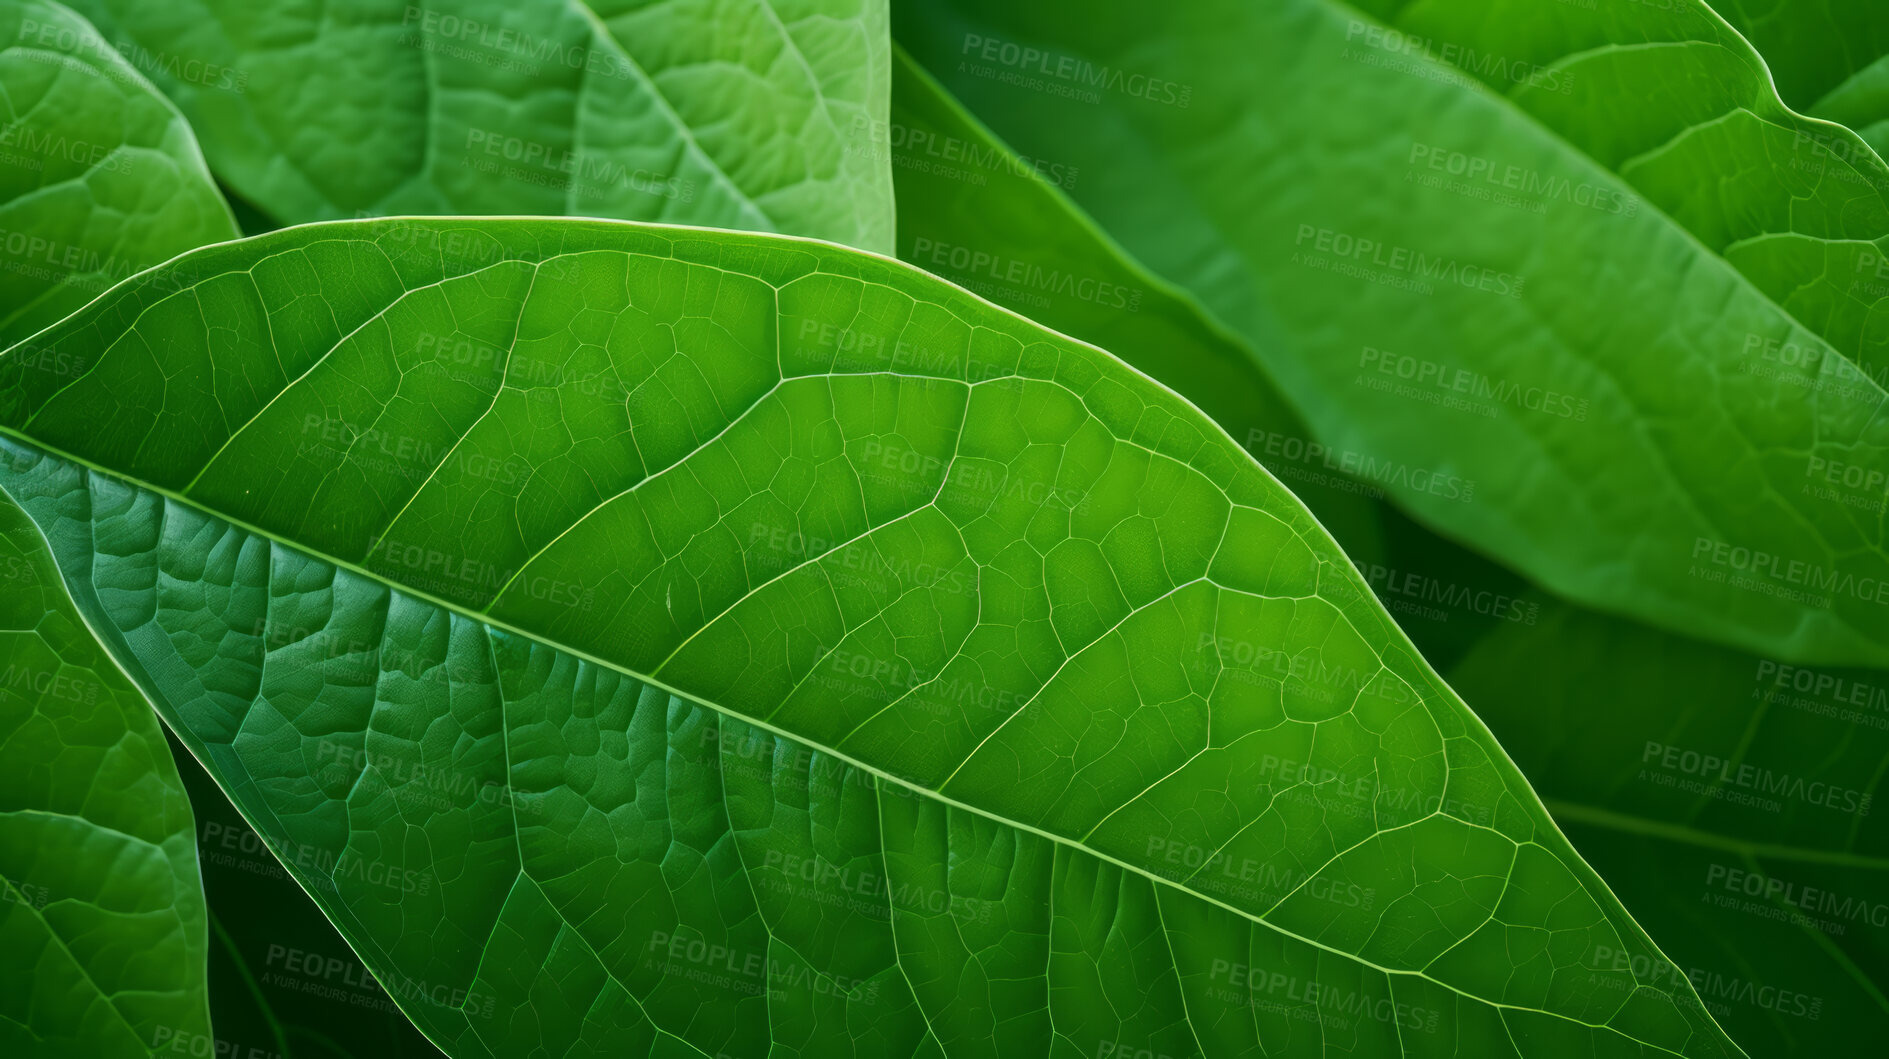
(101, 910)
(974, 212)
(633, 650)
(99, 176)
(1730, 800)
(733, 113)
(1584, 299)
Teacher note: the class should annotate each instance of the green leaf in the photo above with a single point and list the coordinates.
(672, 641)
(1497, 287)
(1579, 698)
(1729, 799)
(1829, 58)
(283, 982)
(101, 910)
(733, 113)
(1812, 47)
(974, 212)
(104, 919)
(99, 176)
(1863, 105)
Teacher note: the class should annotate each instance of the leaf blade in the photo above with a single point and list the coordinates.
(103, 913)
(726, 114)
(747, 606)
(974, 212)
(1728, 797)
(102, 177)
(1564, 441)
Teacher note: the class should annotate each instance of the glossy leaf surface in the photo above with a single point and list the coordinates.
(668, 641)
(103, 918)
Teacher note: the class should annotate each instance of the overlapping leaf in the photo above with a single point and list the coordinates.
(101, 910)
(1729, 799)
(585, 123)
(103, 915)
(1584, 699)
(974, 212)
(1014, 710)
(1828, 57)
(1568, 280)
(284, 984)
(736, 113)
(100, 177)
(1732, 802)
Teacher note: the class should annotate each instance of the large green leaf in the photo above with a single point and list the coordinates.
(1730, 799)
(1594, 270)
(734, 113)
(101, 910)
(661, 640)
(99, 176)
(974, 212)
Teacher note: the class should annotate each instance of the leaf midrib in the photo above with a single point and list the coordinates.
(494, 623)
